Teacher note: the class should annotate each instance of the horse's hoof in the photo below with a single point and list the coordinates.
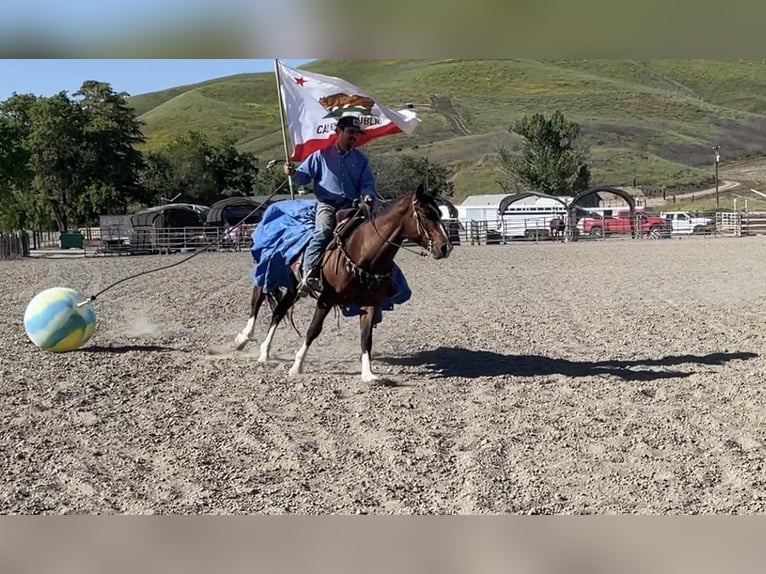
(293, 372)
(263, 358)
(370, 377)
(240, 341)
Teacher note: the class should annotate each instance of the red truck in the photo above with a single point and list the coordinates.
(644, 224)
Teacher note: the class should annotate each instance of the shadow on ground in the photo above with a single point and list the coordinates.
(469, 364)
(118, 349)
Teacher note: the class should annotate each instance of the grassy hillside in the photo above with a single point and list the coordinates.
(654, 121)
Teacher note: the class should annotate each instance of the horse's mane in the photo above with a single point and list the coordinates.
(389, 204)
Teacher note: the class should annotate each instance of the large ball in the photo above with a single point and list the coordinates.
(55, 323)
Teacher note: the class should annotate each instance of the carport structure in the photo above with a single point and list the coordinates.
(571, 204)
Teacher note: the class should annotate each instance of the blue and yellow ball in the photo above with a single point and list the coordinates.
(55, 323)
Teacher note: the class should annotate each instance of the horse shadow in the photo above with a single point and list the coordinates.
(471, 364)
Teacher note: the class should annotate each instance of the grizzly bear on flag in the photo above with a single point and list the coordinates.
(339, 104)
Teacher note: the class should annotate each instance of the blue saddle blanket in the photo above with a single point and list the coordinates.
(284, 231)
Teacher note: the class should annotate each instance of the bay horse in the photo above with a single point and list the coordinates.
(558, 225)
(356, 271)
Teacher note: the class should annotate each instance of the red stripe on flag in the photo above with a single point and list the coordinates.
(305, 149)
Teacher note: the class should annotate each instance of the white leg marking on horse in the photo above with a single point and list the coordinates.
(297, 367)
(266, 345)
(244, 336)
(367, 375)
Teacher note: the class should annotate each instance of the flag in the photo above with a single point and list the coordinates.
(314, 102)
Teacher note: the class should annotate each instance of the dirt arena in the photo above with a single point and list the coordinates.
(606, 377)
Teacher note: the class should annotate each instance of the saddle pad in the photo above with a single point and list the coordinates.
(284, 231)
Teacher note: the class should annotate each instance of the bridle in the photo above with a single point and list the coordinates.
(369, 279)
(421, 232)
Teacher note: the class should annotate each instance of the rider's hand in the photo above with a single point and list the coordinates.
(289, 168)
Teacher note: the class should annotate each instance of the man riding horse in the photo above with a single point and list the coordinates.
(358, 270)
(341, 175)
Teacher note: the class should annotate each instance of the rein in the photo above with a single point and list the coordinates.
(368, 278)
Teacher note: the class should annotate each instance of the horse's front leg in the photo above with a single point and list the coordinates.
(366, 320)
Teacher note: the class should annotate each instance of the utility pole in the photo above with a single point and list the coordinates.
(716, 149)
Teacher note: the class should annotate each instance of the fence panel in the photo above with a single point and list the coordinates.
(114, 239)
(14, 245)
(754, 223)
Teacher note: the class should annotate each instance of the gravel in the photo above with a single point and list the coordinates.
(604, 377)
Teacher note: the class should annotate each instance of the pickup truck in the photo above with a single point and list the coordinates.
(684, 223)
(645, 224)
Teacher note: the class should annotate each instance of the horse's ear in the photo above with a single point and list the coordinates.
(420, 192)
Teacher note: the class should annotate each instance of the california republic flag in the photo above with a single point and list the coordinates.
(313, 104)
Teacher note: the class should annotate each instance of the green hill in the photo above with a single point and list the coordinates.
(652, 121)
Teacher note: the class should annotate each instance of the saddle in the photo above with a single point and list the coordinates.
(348, 220)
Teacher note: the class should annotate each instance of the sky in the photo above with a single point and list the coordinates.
(75, 16)
(48, 77)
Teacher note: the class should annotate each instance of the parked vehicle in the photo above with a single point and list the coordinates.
(643, 223)
(684, 223)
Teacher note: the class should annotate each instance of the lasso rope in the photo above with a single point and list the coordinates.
(204, 248)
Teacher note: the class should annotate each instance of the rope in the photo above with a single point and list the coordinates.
(203, 250)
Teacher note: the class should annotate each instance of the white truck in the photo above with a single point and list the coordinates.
(684, 223)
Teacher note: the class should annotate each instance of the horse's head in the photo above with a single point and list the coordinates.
(425, 227)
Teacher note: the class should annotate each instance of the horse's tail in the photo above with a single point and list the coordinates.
(275, 298)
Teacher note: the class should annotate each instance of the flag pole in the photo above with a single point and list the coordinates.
(282, 123)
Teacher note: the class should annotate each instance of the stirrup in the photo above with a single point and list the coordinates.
(309, 285)
(314, 284)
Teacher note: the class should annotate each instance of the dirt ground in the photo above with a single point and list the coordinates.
(605, 377)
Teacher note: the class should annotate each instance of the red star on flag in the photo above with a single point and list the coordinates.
(300, 81)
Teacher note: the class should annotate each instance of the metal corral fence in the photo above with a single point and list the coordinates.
(14, 245)
(153, 240)
(170, 240)
(675, 224)
(753, 223)
(44, 239)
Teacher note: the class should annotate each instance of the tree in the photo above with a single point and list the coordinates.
(202, 172)
(188, 160)
(17, 209)
(396, 176)
(68, 160)
(15, 125)
(111, 162)
(551, 161)
(234, 172)
(55, 144)
(266, 181)
(156, 178)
